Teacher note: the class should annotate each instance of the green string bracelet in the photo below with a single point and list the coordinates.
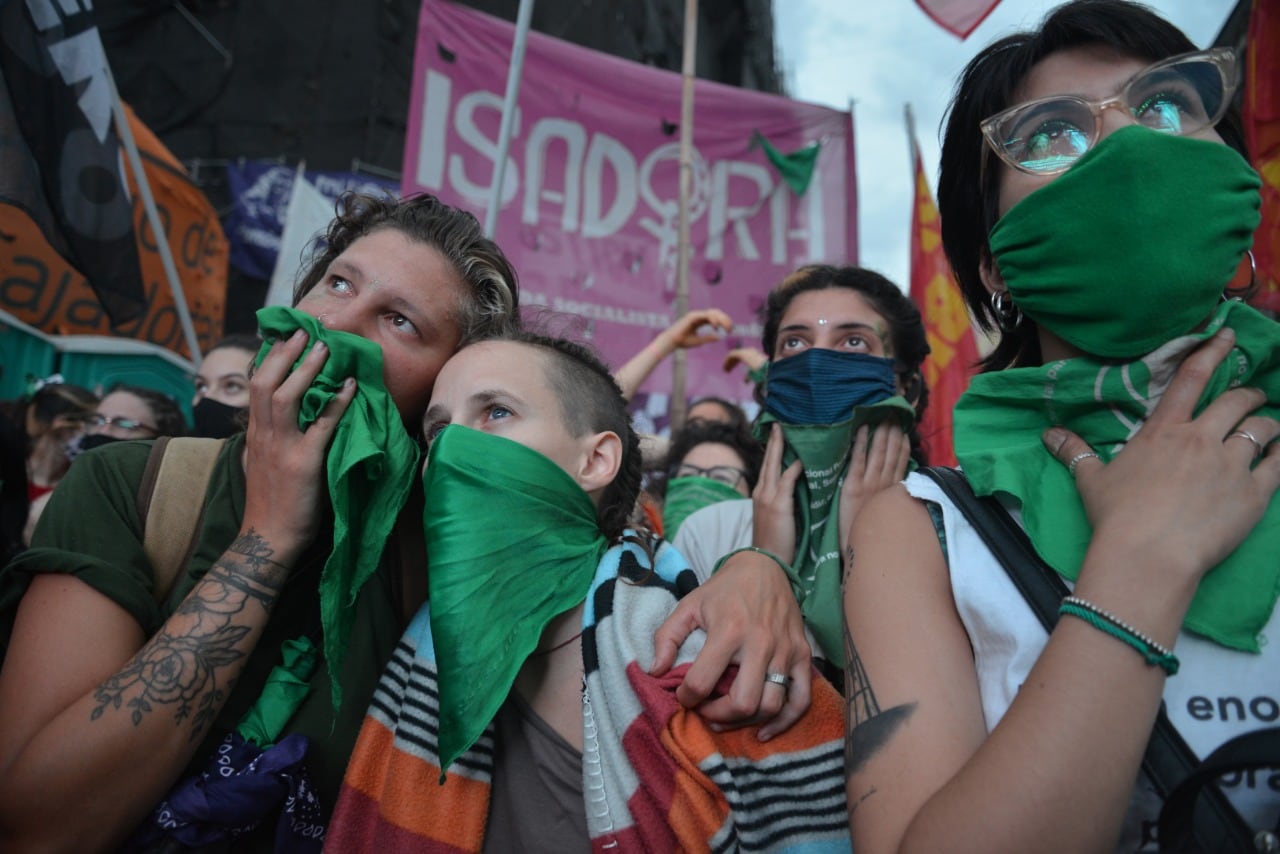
(782, 564)
(1151, 652)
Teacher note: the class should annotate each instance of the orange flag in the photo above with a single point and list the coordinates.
(42, 288)
(1262, 132)
(953, 351)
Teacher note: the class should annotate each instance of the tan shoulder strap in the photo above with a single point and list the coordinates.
(171, 503)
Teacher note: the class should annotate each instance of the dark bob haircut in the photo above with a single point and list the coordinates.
(969, 180)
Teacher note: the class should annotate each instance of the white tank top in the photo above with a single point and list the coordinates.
(1218, 693)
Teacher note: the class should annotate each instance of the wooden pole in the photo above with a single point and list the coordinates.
(688, 73)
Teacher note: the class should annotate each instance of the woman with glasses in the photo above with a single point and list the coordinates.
(126, 412)
(840, 400)
(136, 412)
(1096, 210)
(707, 462)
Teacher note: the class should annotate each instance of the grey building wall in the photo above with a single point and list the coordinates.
(328, 81)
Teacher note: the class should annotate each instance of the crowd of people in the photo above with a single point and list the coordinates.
(56, 421)
(435, 593)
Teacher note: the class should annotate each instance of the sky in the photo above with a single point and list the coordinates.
(882, 54)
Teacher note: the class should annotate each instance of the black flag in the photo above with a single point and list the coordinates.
(61, 162)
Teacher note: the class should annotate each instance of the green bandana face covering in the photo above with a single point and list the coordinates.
(823, 451)
(685, 495)
(1133, 245)
(492, 596)
(370, 468)
(999, 421)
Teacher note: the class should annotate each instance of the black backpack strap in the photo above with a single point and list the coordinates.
(1247, 752)
(1038, 583)
(1168, 759)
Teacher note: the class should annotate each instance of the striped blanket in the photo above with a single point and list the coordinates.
(655, 777)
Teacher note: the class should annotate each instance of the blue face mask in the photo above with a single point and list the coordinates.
(823, 386)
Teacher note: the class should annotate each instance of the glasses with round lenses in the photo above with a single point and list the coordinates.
(728, 475)
(1180, 95)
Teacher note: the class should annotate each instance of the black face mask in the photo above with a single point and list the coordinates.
(214, 420)
(85, 442)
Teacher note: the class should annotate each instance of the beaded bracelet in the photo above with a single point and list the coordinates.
(1152, 652)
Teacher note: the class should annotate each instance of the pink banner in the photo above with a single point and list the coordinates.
(590, 193)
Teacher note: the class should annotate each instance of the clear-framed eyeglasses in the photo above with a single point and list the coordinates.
(98, 421)
(728, 475)
(1180, 95)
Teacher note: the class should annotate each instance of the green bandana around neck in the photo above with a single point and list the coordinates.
(370, 468)
(686, 495)
(999, 421)
(512, 543)
(823, 450)
(1132, 245)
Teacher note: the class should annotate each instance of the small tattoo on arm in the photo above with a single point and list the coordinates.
(867, 728)
(854, 806)
(866, 739)
(266, 596)
(861, 700)
(256, 554)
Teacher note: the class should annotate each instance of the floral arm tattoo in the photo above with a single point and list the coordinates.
(179, 667)
(868, 728)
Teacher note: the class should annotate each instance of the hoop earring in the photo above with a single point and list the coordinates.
(909, 380)
(1247, 292)
(1008, 315)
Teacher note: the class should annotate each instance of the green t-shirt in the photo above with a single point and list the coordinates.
(91, 529)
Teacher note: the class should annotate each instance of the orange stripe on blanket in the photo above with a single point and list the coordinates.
(824, 722)
(409, 792)
(698, 807)
(698, 810)
(367, 770)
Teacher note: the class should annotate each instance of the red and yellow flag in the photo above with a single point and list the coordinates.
(953, 351)
(1262, 132)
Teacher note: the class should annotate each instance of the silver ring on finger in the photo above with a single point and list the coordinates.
(778, 679)
(1076, 460)
(1245, 434)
